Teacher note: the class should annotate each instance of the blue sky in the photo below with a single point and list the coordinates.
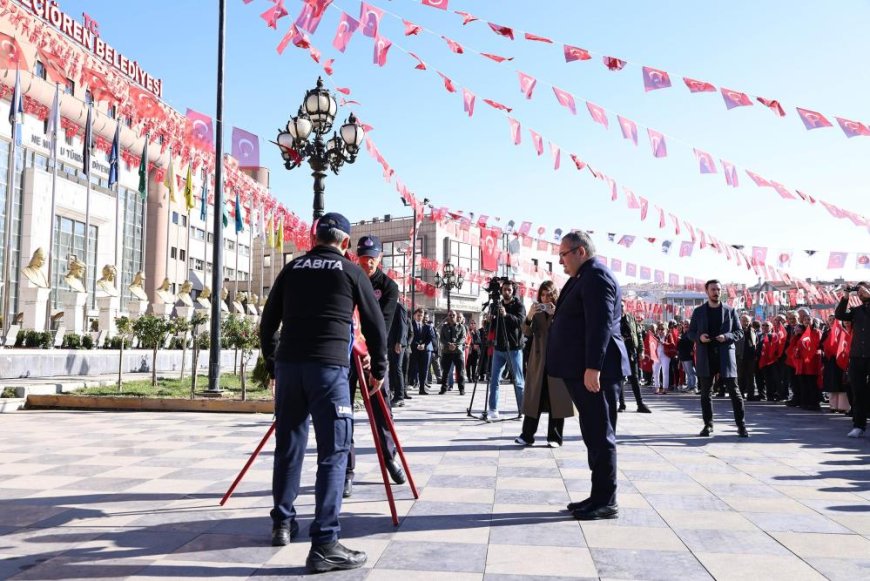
(800, 53)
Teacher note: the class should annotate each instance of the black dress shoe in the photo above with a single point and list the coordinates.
(642, 409)
(572, 506)
(407, 396)
(741, 432)
(348, 488)
(792, 403)
(443, 391)
(394, 467)
(706, 432)
(600, 513)
(283, 534)
(397, 403)
(424, 392)
(461, 391)
(621, 407)
(333, 556)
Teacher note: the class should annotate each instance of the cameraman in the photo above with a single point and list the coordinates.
(859, 354)
(508, 345)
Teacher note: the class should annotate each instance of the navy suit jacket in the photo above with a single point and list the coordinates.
(398, 331)
(585, 331)
(425, 336)
(733, 332)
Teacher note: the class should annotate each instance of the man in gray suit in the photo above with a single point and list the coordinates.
(715, 329)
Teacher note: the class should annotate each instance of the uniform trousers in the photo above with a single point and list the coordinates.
(388, 445)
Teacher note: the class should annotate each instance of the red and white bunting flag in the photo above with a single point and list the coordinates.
(615, 265)
(691, 230)
(524, 229)
(575, 53)
(703, 239)
(759, 255)
(565, 99)
(597, 113)
(274, 14)
(644, 207)
(705, 161)
(613, 63)
(759, 181)
(626, 240)
(327, 66)
(516, 133)
(611, 183)
(730, 173)
(773, 105)
(630, 269)
(676, 222)
(853, 128)
(783, 259)
(527, 84)
(628, 127)
(496, 58)
(538, 141)
(696, 86)
(836, 260)
(581, 165)
(370, 19)
(412, 29)
(660, 276)
(497, 105)
(657, 143)
(314, 53)
(631, 199)
(500, 30)
(661, 217)
(557, 155)
(862, 261)
(782, 191)
(312, 13)
(812, 119)
(454, 46)
(735, 98)
(440, 4)
(468, 101)
(833, 210)
(421, 66)
(448, 84)
(646, 274)
(654, 79)
(382, 46)
(536, 38)
(466, 17)
(686, 248)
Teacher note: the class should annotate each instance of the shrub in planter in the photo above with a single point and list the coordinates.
(20, 337)
(72, 341)
(45, 340)
(87, 342)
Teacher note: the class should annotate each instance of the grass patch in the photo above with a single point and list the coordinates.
(176, 388)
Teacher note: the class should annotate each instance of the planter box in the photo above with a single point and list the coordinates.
(142, 404)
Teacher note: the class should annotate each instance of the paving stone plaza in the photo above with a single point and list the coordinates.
(103, 495)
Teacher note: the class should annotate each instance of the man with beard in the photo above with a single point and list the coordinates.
(859, 354)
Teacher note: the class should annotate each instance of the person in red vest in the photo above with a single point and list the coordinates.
(808, 361)
(843, 363)
(792, 361)
(767, 361)
(649, 357)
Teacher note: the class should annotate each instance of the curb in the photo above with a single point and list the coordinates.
(104, 403)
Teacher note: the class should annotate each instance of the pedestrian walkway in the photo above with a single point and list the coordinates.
(98, 495)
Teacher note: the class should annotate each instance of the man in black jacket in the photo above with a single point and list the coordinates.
(452, 338)
(313, 299)
(633, 338)
(859, 355)
(508, 347)
(398, 339)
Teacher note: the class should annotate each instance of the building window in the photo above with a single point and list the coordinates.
(244, 250)
(69, 241)
(39, 70)
(396, 259)
(111, 111)
(197, 264)
(182, 254)
(230, 244)
(466, 259)
(550, 267)
(69, 87)
(229, 273)
(198, 234)
(535, 264)
(184, 221)
(89, 97)
(267, 261)
(128, 121)
(208, 267)
(173, 252)
(210, 237)
(175, 218)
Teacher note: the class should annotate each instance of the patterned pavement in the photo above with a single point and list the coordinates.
(101, 495)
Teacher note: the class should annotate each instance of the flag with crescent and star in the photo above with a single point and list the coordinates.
(246, 148)
(201, 132)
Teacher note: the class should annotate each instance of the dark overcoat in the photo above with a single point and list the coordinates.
(700, 324)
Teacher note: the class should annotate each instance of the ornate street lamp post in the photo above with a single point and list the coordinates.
(449, 281)
(315, 117)
(414, 254)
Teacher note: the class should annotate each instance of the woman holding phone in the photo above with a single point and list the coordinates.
(543, 393)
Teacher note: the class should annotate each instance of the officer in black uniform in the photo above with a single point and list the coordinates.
(369, 251)
(313, 299)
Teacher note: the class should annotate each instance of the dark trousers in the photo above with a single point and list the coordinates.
(788, 383)
(598, 413)
(760, 382)
(388, 445)
(471, 365)
(706, 384)
(397, 375)
(451, 360)
(420, 368)
(807, 391)
(321, 391)
(632, 379)
(771, 381)
(555, 426)
(859, 370)
(746, 376)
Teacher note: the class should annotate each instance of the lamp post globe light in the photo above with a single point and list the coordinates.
(303, 139)
(449, 280)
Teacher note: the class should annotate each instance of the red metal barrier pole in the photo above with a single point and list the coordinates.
(399, 451)
(248, 464)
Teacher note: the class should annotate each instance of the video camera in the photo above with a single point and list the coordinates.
(493, 290)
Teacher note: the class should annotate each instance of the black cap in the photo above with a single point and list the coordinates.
(334, 220)
(369, 246)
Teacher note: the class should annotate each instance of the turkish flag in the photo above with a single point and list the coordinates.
(730, 173)
(448, 84)
(759, 181)
(327, 66)
(773, 105)
(862, 261)
(574, 53)
(274, 14)
(631, 199)
(201, 132)
(54, 65)
(98, 85)
(630, 269)
(654, 79)
(833, 210)
(466, 17)
(645, 273)
(782, 191)
(615, 265)
(557, 155)
(497, 105)
(488, 249)
(496, 58)
(812, 119)
(145, 104)
(421, 66)
(578, 162)
(783, 260)
(246, 148)
(735, 98)
(516, 133)
(644, 207)
(11, 55)
(370, 18)
(527, 84)
(598, 114)
(676, 222)
(629, 128)
(502, 30)
(454, 46)
(613, 63)
(536, 38)
(382, 46)
(661, 217)
(441, 4)
(626, 240)
(836, 260)
(346, 27)
(565, 99)
(612, 184)
(759, 255)
(411, 29)
(538, 141)
(657, 142)
(312, 13)
(705, 161)
(468, 102)
(686, 248)
(525, 227)
(699, 86)
(852, 128)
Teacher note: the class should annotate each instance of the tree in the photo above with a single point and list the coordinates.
(199, 318)
(125, 327)
(242, 335)
(180, 328)
(152, 332)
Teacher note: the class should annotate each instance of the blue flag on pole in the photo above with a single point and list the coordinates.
(203, 209)
(114, 154)
(16, 108)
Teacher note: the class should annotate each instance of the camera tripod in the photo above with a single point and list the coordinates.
(500, 331)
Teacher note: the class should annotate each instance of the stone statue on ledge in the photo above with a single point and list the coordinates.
(74, 278)
(224, 294)
(33, 271)
(165, 294)
(137, 288)
(237, 302)
(204, 298)
(184, 293)
(106, 284)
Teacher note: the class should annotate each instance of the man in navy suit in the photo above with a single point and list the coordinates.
(586, 349)
(715, 329)
(422, 341)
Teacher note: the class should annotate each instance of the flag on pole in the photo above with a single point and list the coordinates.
(88, 143)
(239, 224)
(203, 209)
(54, 120)
(279, 235)
(143, 170)
(169, 181)
(16, 108)
(270, 232)
(189, 201)
(114, 153)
